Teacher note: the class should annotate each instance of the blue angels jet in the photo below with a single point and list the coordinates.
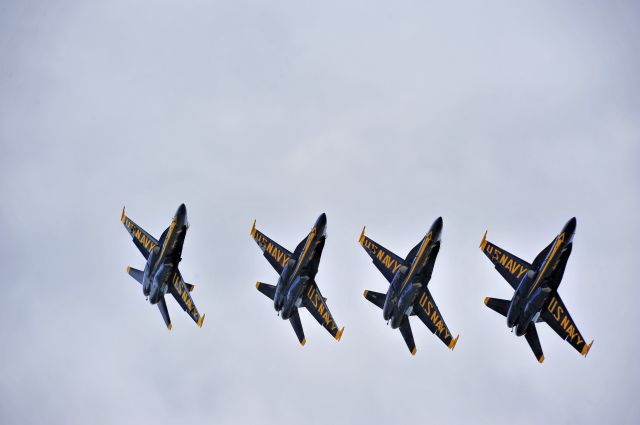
(297, 286)
(536, 297)
(161, 274)
(408, 279)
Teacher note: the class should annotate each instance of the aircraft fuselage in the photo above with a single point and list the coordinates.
(533, 292)
(404, 288)
(296, 274)
(163, 260)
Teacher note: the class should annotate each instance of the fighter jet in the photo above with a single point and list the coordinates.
(297, 286)
(161, 273)
(408, 294)
(536, 297)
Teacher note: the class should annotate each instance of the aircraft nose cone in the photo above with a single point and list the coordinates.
(182, 210)
(322, 221)
(436, 228)
(570, 227)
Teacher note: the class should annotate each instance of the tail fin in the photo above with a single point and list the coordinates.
(136, 274)
(405, 330)
(266, 289)
(497, 305)
(189, 286)
(375, 297)
(534, 342)
(297, 327)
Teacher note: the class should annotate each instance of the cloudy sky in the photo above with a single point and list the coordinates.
(511, 118)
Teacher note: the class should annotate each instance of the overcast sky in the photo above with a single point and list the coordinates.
(511, 118)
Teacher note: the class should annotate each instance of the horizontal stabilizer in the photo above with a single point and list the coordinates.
(136, 274)
(375, 297)
(162, 305)
(266, 289)
(497, 305)
(405, 330)
(297, 326)
(534, 342)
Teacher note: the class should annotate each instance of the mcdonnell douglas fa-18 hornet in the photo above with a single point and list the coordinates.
(536, 296)
(161, 274)
(297, 286)
(408, 294)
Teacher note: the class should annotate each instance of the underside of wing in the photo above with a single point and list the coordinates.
(275, 254)
(508, 265)
(386, 261)
(557, 317)
(141, 239)
(426, 309)
(180, 291)
(313, 300)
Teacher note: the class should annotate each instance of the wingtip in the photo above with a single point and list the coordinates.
(486, 300)
(303, 342)
(413, 352)
(541, 359)
(339, 334)
(169, 326)
(365, 293)
(586, 348)
(483, 242)
(122, 216)
(453, 343)
(361, 238)
(257, 285)
(253, 229)
(200, 320)
(128, 269)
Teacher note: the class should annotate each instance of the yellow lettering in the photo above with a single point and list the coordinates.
(558, 314)
(565, 322)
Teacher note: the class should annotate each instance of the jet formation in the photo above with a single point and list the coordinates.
(161, 273)
(408, 279)
(536, 297)
(296, 285)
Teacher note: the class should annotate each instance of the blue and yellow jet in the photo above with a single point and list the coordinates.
(408, 294)
(161, 274)
(297, 286)
(536, 297)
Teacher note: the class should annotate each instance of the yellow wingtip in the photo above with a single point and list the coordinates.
(453, 343)
(586, 348)
(169, 326)
(541, 359)
(486, 300)
(253, 229)
(339, 334)
(483, 242)
(128, 269)
(365, 293)
(122, 216)
(303, 342)
(200, 320)
(413, 352)
(361, 239)
(257, 285)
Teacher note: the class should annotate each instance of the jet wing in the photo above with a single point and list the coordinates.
(142, 239)
(557, 316)
(276, 255)
(427, 310)
(508, 265)
(313, 300)
(180, 291)
(386, 261)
